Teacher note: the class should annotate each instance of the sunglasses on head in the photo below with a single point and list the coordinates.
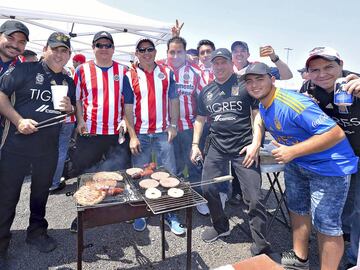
(106, 46)
(143, 50)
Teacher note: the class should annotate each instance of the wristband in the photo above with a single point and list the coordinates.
(173, 125)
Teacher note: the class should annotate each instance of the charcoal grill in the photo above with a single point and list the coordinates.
(132, 204)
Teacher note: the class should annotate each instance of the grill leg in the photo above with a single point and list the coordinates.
(188, 235)
(80, 239)
(162, 224)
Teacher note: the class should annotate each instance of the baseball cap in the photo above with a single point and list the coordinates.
(12, 26)
(327, 53)
(29, 53)
(141, 40)
(242, 44)
(79, 58)
(257, 68)
(221, 52)
(193, 52)
(302, 70)
(58, 39)
(103, 34)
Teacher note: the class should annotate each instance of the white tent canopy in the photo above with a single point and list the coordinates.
(81, 20)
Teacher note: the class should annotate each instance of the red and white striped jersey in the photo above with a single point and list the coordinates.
(207, 73)
(100, 91)
(150, 93)
(189, 83)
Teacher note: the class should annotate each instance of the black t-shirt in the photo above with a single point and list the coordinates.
(31, 85)
(347, 118)
(228, 106)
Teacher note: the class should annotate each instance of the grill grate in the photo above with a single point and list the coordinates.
(108, 200)
(166, 203)
(134, 193)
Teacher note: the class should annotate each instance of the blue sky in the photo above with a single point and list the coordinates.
(296, 24)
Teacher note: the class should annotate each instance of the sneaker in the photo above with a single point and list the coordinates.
(203, 209)
(172, 221)
(236, 199)
(73, 226)
(139, 224)
(55, 189)
(44, 243)
(210, 235)
(290, 261)
(223, 198)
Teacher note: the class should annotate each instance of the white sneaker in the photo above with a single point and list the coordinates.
(203, 209)
(223, 198)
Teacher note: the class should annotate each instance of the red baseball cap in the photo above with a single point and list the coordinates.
(79, 58)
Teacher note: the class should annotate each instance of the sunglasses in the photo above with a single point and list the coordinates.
(102, 46)
(143, 50)
(205, 52)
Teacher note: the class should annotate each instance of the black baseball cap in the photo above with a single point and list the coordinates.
(103, 34)
(221, 52)
(12, 26)
(242, 44)
(29, 53)
(58, 39)
(141, 40)
(257, 68)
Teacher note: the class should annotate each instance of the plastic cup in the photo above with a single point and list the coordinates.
(58, 93)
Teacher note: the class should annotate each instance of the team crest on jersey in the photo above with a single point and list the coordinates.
(209, 96)
(186, 76)
(39, 79)
(161, 76)
(235, 90)
(52, 82)
(64, 82)
(116, 78)
(277, 124)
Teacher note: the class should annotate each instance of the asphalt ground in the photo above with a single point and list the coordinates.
(118, 246)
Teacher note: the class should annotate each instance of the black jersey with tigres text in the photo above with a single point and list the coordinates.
(229, 107)
(29, 86)
(347, 117)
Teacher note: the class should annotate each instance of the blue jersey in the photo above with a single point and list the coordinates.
(292, 118)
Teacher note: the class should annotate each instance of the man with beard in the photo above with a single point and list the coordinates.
(25, 146)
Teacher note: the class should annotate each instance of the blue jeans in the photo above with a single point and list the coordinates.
(64, 140)
(182, 148)
(155, 144)
(321, 196)
(351, 217)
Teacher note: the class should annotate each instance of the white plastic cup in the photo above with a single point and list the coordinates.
(58, 93)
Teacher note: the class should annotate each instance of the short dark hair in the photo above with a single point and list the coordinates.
(176, 40)
(205, 42)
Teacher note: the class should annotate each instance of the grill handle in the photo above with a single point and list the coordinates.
(212, 181)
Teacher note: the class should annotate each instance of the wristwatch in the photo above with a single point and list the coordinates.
(173, 125)
(275, 59)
